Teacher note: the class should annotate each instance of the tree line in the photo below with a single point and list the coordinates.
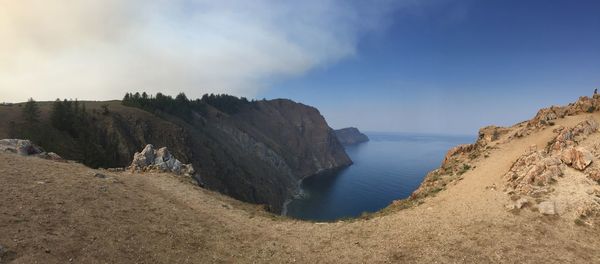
(93, 145)
(183, 107)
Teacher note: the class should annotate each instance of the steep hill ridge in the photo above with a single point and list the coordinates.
(258, 154)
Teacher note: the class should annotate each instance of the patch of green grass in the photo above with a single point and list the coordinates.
(591, 109)
(464, 169)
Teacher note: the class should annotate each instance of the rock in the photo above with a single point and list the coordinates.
(19, 146)
(50, 156)
(100, 175)
(521, 202)
(510, 207)
(594, 175)
(161, 160)
(547, 208)
(533, 172)
(545, 116)
(459, 150)
(491, 133)
(144, 158)
(567, 138)
(578, 158)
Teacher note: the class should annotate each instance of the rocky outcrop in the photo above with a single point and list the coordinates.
(151, 159)
(545, 117)
(25, 147)
(491, 133)
(578, 158)
(458, 151)
(350, 136)
(20, 146)
(533, 172)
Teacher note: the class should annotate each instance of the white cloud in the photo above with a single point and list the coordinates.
(99, 49)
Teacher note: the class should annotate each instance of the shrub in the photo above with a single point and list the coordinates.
(591, 109)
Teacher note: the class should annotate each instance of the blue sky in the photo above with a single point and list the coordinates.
(434, 66)
(459, 65)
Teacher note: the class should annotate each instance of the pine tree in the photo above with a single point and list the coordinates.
(31, 111)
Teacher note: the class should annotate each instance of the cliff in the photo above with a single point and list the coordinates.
(257, 153)
(350, 136)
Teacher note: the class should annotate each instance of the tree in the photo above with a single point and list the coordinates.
(58, 115)
(31, 111)
(104, 109)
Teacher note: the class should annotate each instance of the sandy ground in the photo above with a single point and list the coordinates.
(52, 212)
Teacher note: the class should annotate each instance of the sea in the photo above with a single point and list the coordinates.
(388, 167)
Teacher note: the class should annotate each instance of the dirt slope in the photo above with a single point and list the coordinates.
(56, 212)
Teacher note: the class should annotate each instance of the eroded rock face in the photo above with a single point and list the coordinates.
(151, 159)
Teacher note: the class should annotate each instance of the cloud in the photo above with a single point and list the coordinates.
(99, 49)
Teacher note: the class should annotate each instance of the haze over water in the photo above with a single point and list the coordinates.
(389, 167)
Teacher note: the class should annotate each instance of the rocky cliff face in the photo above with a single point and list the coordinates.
(258, 154)
(350, 136)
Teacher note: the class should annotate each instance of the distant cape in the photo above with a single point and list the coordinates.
(350, 136)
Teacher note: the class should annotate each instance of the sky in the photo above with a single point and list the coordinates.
(426, 66)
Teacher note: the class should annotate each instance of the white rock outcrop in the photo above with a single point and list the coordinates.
(151, 159)
(25, 147)
(19, 146)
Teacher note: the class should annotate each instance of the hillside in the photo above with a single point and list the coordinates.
(350, 136)
(256, 152)
(58, 212)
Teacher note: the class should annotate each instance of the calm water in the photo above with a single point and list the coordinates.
(387, 168)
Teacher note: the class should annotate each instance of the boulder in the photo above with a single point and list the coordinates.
(20, 146)
(547, 208)
(578, 158)
(521, 202)
(151, 159)
(50, 156)
(144, 158)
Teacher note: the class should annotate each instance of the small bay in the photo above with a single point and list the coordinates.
(388, 167)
